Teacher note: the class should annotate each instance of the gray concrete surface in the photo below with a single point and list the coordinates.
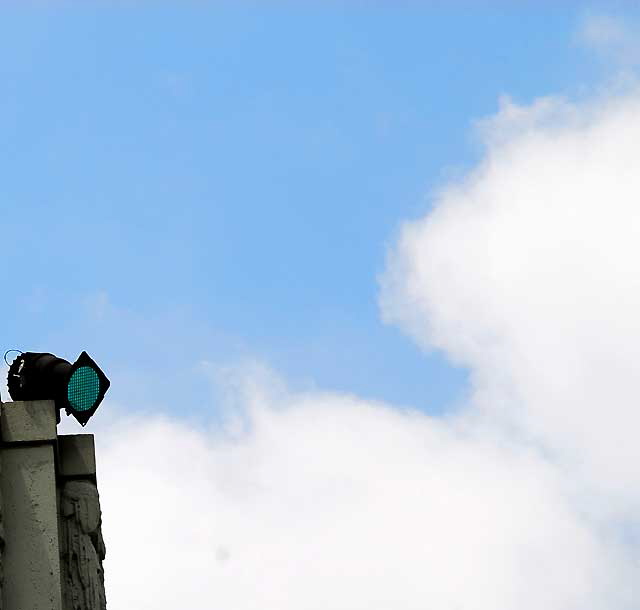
(31, 557)
(50, 519)
(28, 421)
(82, 546)
(76, 456)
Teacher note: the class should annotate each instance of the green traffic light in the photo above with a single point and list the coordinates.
(77, 388)
(83, 389)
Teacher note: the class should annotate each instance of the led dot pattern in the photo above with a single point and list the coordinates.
(83, 388)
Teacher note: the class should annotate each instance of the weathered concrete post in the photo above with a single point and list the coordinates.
(31, 558)
(81, 543)
(50, 539)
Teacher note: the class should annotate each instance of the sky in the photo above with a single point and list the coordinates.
(364, 279)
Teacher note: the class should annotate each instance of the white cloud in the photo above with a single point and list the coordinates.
(325, 501)
(615, 39)
(528, 272)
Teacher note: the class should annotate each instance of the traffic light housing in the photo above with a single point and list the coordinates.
(78, 388)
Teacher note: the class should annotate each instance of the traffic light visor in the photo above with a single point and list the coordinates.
(86, 387)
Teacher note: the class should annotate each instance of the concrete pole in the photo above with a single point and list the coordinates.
(51, 538)
(31, 559)
(81, 545)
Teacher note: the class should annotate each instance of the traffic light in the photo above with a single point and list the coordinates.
(78, 388)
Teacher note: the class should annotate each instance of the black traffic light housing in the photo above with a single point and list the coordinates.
(78, 388)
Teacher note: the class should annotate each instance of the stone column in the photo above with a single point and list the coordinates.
(31, 555)
(81, 543)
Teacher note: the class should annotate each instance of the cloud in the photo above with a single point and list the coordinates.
(613, 38)
(321, 501)
(324, 501)
(528, 273)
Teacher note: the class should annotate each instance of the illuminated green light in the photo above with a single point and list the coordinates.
(83, 388)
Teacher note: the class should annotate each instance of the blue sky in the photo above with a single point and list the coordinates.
(223, 202)
(221, 183)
